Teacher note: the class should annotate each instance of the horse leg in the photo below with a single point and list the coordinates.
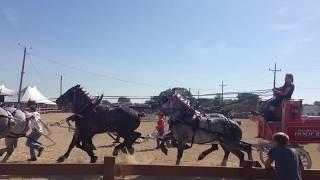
(10, 145)
(118, 148)
(213, 147)
(117, 140)
(240, 155)
(75, 141)
(3, 150)
(181, 147)
(7, 156)
(248, 149)
(163, 147)
(226, 156)
(87, 147)
(131, 141)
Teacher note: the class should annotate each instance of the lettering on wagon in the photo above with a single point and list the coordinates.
(307, 133)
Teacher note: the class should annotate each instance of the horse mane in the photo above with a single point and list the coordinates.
(84, 93)
(183, 100)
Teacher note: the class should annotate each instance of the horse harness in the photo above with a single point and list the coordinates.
(8, 126)
(195, 125)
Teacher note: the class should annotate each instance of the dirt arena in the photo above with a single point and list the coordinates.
(145, 152)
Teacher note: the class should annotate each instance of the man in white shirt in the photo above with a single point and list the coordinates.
(36, 127)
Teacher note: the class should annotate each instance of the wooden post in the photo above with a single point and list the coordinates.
(108, 168)
(247, 169)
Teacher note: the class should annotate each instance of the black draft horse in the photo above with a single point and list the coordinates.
(90, 120)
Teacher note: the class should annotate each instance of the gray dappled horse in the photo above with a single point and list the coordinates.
(90, 120)
(190, 126)
(13, 124)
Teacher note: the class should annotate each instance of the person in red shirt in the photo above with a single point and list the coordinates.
(160, 128)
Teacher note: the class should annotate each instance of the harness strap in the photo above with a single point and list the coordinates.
(195, 127)
(198, 128)
(9, 116)
(18, 135)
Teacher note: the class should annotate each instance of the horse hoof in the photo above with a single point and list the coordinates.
(131, 150)
(201, 157)
(115, 152)
(124, 150)
(94, 159)
(60, 159)
(187, 146)
(164, 151)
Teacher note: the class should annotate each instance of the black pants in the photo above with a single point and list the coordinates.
(269, 114)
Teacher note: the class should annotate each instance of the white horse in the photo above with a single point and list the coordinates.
(13, 125)
(190, 126)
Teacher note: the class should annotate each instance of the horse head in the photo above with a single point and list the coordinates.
(76, 98)
(174, 104)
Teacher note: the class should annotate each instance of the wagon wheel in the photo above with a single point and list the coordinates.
(304, 155)
(263, 153)
(305, 158)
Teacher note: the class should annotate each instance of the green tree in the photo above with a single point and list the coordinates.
(248, 98)
(124, 100)
(316, 103)
(156, 101)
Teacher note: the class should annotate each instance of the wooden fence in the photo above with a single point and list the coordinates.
(48, 110)
(109, 170)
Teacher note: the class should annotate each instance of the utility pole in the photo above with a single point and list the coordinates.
(222, 85)
(60, 84)
(22, 72)
(275, 70)
(198, 94)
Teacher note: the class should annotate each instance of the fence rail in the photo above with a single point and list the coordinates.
(109, 170)
(48, 110)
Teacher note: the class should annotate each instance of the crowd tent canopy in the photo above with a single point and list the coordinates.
(4, 91)
(31, 93)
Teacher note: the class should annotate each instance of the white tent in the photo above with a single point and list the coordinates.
(32, 93)
(4, 91)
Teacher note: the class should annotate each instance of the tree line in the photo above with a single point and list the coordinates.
(215, 104)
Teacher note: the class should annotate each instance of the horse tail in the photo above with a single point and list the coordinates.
(235, 130)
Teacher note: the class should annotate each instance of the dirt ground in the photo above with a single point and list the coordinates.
(145, 152)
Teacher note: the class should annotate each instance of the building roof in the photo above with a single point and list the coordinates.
(32, 93)
(4, 91)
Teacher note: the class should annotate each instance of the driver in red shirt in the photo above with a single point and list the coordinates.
(160, 128)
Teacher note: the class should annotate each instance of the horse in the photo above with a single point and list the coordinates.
(90, 120)
(190, 126)
(13, 125)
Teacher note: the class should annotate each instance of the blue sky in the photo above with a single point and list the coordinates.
(159, 44)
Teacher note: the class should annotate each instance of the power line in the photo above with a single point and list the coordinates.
(275, 71)
(95, 73)
(258, 92)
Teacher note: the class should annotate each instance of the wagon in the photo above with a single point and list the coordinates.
(300, 128)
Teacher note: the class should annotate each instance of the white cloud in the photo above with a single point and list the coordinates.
(286, 26)
(11, 16)
(281, 11)
(205, 48)
(292, 47)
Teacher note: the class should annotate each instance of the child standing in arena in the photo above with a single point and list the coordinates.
(160, 128)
